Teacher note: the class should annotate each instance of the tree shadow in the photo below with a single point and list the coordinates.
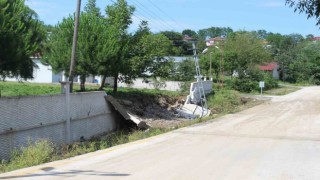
(49, 171)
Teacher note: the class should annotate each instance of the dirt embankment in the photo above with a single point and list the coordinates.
(155, 110)
(160, 110)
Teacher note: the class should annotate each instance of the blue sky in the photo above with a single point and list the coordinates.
(177, 15)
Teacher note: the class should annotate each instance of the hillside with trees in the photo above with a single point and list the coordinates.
(107, 48)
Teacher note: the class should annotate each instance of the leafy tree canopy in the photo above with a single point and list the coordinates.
(21, 34)
(309, 7)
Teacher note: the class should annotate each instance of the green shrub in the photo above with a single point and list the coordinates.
(35, 153)
(269, 82)
(224, 101)
(243, 84)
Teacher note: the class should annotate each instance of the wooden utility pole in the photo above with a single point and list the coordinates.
(74, 46)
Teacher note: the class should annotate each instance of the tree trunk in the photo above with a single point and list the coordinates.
(82, 83)
(115, 83)
(217, 76)
(103, 82)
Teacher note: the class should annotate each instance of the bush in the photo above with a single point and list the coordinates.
(243, 84)
(224, 101)
(35, 153)
(269, 81)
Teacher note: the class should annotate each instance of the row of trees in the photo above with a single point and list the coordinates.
(105, 47)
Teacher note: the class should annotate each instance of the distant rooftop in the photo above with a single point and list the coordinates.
(214, 41)
(269, 67)
(314, 39)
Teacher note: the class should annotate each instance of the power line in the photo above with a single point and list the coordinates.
(159, 9)
(143, 18)
(160, 26)
(153, 15)
(148, 24)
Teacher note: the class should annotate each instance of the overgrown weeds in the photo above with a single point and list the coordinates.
(43, 151)
(224, 101)
(33, 154)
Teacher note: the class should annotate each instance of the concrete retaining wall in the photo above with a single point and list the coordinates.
(34, 117)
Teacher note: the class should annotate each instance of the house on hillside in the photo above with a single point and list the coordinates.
(272, 68)
(215, 41)
(315, 39)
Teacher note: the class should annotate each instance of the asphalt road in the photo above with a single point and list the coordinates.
(279, 139)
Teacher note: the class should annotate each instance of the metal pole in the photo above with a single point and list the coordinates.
(210, 67)
(221, 82)
(222, 67)
(74, 45)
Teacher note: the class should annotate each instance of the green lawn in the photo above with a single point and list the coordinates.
(26, 89)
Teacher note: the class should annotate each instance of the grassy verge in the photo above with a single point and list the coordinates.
(126, 93)
(31, 89)
(26, 89)
(280, 91)
(43, 151)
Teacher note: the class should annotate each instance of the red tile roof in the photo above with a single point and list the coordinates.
(214, 41)
(269, 67)
(315, 39)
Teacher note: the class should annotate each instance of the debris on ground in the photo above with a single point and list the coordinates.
(162, 111)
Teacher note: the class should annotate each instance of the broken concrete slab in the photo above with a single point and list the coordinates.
(124, 113)
(192, 111)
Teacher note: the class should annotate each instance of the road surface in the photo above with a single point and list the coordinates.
(279, 139)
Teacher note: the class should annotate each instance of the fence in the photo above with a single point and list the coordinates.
(34, 117)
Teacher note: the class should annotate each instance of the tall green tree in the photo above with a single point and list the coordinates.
(248, 50)
(94, 36)
(119, 16)
(148, 53)
(179, 47)
(190, 33)
(213, 32)
(21, 36)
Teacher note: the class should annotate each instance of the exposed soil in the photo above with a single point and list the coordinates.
(160, 110)
(155, 110)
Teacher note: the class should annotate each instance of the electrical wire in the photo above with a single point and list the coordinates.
(156, 18)
(163, 12)
(140, 16)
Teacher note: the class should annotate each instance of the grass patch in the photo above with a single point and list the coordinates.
(43, 151)
(33, 154)
(27, 89)
(224, 101)
(126, 93)
(282, 90)
(8, 89)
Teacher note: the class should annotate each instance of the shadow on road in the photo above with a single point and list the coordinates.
(49, 171)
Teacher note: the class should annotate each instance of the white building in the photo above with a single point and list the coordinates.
(44, 74)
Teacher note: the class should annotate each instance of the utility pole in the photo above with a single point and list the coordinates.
(211, 67)
(202, 95)
(74, 46)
